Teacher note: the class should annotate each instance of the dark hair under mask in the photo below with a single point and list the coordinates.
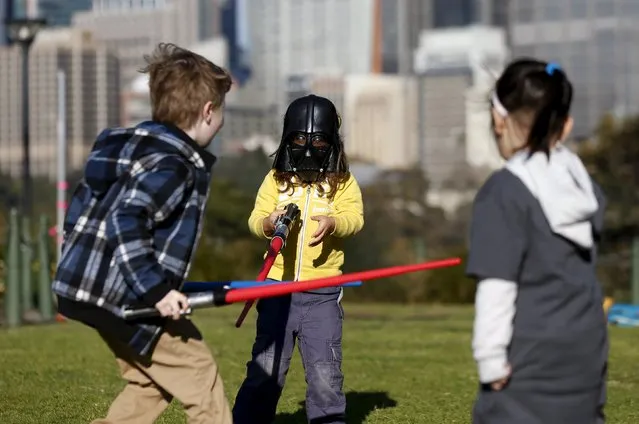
(311, 117)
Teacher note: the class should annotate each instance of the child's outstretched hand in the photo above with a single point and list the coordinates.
(326, 226)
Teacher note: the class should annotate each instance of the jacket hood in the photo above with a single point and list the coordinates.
(564, 190)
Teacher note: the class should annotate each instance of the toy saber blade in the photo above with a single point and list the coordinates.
(227, 295)
(195, 287)
(282, 228)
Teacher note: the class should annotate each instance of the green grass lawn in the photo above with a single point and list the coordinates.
(402, 365)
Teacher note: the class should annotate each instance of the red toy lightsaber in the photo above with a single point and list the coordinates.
(282, 228)
(227, 296)
(274, 290)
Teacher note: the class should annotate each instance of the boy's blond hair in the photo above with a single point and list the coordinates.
(181, 83)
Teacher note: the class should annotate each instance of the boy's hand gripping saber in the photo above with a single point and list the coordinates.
(204, 294)
(282, 228)
(227, 295)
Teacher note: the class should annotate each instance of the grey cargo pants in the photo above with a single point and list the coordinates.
(315, 321)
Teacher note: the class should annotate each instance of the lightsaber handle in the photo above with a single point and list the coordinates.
(142, 313)
(282, 228)
(285, 221)
(196, 301)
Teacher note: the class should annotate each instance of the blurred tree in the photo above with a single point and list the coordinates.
(247, 170)
(467, 178)
(613, 161)
(402, 228)
(227, 250)
(44, 198)
(612, 158)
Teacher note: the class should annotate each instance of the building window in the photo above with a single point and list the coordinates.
(630, 7)
(604, 8)
(525, 12)
(553, 11)
(578, 9)
(452, 13)
(550, 52)
(500, 13)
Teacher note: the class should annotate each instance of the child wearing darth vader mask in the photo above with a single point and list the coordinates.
(311, 170)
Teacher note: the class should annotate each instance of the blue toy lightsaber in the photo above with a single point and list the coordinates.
(197, 286)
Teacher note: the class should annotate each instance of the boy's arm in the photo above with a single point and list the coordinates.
(265, 204)
(150, 196)
(349, 210)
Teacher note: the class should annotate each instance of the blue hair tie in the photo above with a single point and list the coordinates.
(551, 68)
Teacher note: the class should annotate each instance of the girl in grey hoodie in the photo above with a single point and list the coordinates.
(540, 336)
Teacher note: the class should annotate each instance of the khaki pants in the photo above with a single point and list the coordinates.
(180, 367)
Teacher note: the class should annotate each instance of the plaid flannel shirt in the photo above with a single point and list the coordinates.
(134, 221)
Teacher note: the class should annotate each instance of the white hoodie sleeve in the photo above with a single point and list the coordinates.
(493, 327)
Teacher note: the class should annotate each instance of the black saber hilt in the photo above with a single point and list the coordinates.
(196, 301)
(285, 222)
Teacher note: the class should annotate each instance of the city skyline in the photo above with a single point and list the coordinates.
(365, 55)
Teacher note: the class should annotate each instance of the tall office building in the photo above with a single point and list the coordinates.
(380, 117)
(303, 37)
(495, 13)
(293, 42)
(454, 13)
(118, 5)
(264, 38)
(457, 68)
(234, 27)
(133, 28)
(594, 41)
(461, 13)
(92, 98)
(418, 17)
(6, 12)
(396, 28)
(60, 12)
(400, 24)
(387, 36)
(336, 37)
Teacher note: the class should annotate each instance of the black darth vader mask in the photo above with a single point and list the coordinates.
(310, 143)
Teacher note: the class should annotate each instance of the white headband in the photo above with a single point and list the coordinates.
(501, 110)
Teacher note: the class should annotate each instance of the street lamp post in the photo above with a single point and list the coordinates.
(23, 32)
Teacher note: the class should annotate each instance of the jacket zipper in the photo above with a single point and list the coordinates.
(302, 231)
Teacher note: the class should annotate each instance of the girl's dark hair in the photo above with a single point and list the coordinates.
(334, 179)
(541, 89)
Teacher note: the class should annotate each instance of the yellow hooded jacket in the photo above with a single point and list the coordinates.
(298, 260)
